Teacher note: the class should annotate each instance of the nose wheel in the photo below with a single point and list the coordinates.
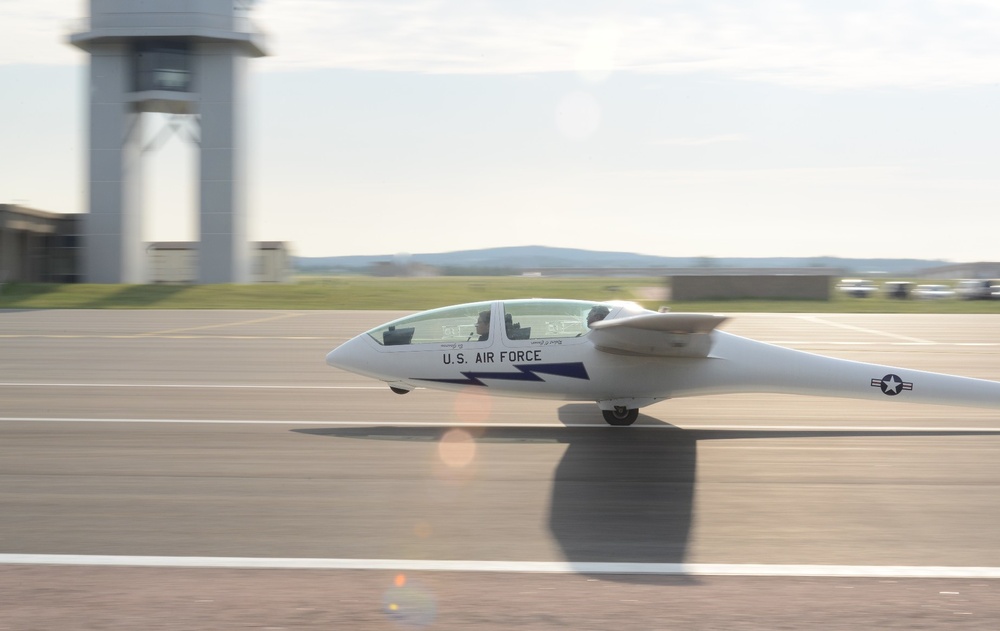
(621, 415)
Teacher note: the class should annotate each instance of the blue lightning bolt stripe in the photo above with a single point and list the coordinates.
(526, 372)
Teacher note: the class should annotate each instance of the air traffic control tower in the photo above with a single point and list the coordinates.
(188, 59)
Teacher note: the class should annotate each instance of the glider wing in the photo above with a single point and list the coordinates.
(657, 334)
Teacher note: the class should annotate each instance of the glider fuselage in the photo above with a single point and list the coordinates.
(629, 359)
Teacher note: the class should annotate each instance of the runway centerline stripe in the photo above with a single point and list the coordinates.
(517, 567)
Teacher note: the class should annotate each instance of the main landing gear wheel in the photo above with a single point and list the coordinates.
(621, 415)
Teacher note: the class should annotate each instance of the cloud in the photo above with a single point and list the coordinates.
(815, 44)
(699, 142)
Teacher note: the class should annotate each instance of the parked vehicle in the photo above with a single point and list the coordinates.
(857, 287)
(934, 292)
(898, 289)
(977, 289)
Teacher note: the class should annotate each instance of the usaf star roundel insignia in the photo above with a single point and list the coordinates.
(892, 385)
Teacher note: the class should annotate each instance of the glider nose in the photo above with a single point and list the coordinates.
(353, 355)
(338, 357)
(331, 358)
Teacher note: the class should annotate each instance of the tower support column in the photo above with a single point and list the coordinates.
(224, 253)
(112, 239)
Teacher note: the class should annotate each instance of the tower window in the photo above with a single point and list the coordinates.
(163, 65)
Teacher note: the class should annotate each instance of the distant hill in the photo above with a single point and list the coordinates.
(540, 258)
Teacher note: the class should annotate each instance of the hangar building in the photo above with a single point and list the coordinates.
(37, 246)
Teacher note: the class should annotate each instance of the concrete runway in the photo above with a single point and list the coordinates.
(211, 434)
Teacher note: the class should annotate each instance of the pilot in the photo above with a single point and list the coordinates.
(597, 313)
(483, 326)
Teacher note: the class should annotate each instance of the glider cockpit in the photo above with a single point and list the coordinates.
(522, 320)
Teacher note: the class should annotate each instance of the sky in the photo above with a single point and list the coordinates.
(708, 128)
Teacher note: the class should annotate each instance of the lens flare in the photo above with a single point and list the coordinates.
(410, 605)
(595, 60)
(457, 448)
(422, 530)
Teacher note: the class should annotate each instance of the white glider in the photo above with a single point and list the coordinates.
(620, 355)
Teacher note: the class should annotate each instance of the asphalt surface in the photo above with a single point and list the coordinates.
(207, 434)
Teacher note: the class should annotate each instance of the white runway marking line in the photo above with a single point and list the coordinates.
(179, 336)
(331, 342)
(794, 448)
(515, 567)
(595, 425)
(851, 327)
(160, 336)
(812, 343)
(221, 386)
(202, 327)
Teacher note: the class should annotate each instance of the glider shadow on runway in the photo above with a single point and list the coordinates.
(620, 495)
